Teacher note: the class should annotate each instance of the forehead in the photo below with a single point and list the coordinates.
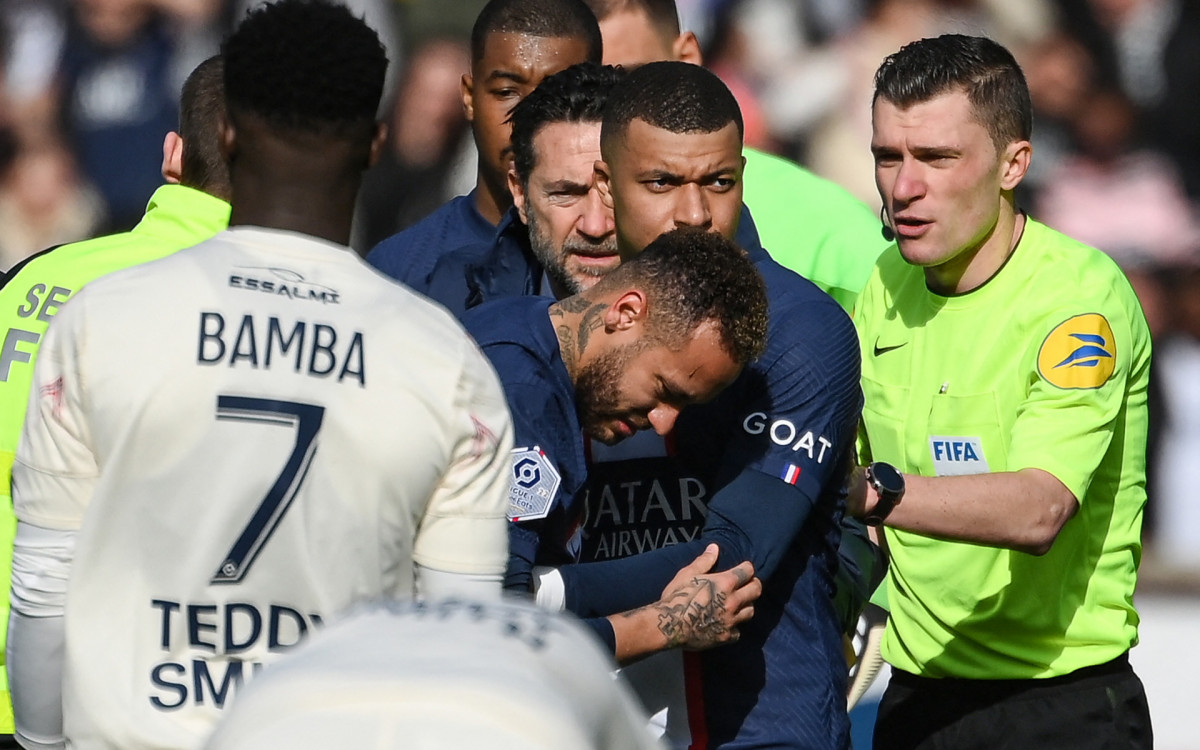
(947, 119)
(632, 39)
(700, 367)
(566, 147)
(529, 58)
(645, 147)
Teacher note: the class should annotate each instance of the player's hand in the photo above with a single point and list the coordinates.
(700, 610)
(857, 491)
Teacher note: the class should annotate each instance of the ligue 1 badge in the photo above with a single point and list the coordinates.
(1080, 353)
(534, 484)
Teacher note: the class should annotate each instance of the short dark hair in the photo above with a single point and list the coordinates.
(305, 65)
(201, 106)
(577, 94)
(985, 70)
(692, 277)
(676, 96)
(662, 13)
(540, 18)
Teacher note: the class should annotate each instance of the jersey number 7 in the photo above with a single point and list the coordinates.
(306, 418)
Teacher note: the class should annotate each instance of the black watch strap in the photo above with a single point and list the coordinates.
(889, 485)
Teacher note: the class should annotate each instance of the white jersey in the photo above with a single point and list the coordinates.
(446, 674)
(249, 435)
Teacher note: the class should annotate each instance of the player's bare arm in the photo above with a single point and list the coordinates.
(697, 610)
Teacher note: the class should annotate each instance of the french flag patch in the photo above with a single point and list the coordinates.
(790, 473)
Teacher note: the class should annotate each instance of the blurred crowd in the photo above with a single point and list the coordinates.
(88, 89)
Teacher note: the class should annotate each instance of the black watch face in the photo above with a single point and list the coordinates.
(887, 476)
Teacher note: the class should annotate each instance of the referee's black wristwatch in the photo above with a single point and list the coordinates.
(889, 485)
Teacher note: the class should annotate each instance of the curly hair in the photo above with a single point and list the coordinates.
(985, 70)
(675, 96)
(692, 277)
(540, 18)
(577, 94)
(305, 65)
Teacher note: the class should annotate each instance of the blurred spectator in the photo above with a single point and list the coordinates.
(1123, 199)
(800, 69)
(122, 68)
(1152, 48)
(43, 202)
(424, 20)
(838, 147)
(420, 170)
(1177, 361)
(35, 30)
(1061, 73)
(733, 54)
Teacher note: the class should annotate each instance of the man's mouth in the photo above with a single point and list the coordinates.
(911, 227)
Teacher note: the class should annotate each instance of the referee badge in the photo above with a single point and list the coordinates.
(534, 483)
(1080, 353)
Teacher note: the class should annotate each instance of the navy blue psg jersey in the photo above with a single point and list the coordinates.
(548, 458)
(409, 256)
(761, 471)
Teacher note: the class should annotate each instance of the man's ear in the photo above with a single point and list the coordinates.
(603, 177)
(467, 90)
(227, 138)
(172, 163)
(686, 48)
(628, 311)
(378, 143)
(517, 188)
(1017, 157)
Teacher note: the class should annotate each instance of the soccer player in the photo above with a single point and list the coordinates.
(808, 224)
(671, 328)
(1005, 370)
(451, 673)
(760, 470)
(228, 446)
(192, 207)
(514, 45)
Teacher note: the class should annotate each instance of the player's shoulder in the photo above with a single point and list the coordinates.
(1076, 290)
(1072, 274)
(771, 171)
(807, 330)
(507, 319)
(516, 335)
(793, 299)
(774, 181)
(71, 265)
(434, 229)
(1052, 247)
(892, 280)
